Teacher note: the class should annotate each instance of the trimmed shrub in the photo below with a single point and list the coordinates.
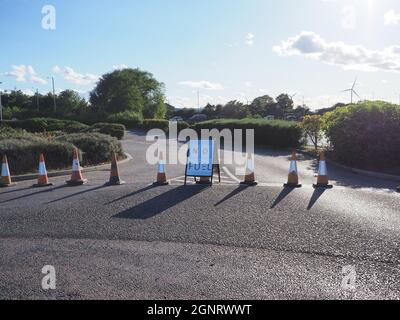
(96, 147)
(149, 124)
(273, 133)
(23, 153)
(182, 125)
(365, 135)
(47, 124)
(129, 119)
(112, 129)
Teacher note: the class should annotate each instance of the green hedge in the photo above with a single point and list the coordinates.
(23, 149)
(112, 129)
(128, 118)
(366, 135)
(273, 133)
(149, 124)
(96, 147)
(47, 124)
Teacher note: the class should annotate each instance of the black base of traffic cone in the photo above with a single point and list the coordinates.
(77, 183)
(322, 186)
(249, 184)
(159, 184)
(115, 182)
(292, 185)
(42, 185)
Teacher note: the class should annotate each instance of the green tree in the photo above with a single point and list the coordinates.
(70, 104)
(129, 90)
(235, 110)
(312, 126)
(285, 102)
(261, 105)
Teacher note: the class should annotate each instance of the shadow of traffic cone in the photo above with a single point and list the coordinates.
(76, 177)
(5, 174)
(293, 178)
(161, 175)
(249, 178)
(323, 181)
(114, 175)
(43, 180)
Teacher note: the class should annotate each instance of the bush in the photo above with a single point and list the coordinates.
(23, 153)
(112, 129)
(365, 135)
(47, 124)
(129, 119)
(96, 147)
(273, 133)
(149, 124)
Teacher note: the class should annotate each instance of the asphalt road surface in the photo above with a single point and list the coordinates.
(137, 241)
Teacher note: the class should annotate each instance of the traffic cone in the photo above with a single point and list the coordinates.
(249, 178)
(114, 175)
(5, 174)
(43, 180)
(161, 175)
(76, 178)
(293, 178)
(323, 181)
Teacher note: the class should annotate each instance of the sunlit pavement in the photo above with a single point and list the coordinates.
(143, 242)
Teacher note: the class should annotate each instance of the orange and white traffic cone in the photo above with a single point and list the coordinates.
(323, 181)
(114, 175)
(293, 178)
(43, 180)
(76, 177)
(5, 174)
(249, 178)
(161, 174)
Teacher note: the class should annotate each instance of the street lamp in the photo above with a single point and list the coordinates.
(54, 94)
(37, 99)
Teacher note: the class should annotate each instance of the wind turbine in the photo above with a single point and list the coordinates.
(352, 91)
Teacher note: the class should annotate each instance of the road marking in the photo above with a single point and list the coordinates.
(231, 175)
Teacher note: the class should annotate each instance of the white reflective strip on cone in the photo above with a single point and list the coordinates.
(75, 165)
(250, 165)
(293, 166)
(322, 168)
(161, 167)
(5, 172)
(42, 169)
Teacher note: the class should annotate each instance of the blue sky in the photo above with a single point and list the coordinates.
(226, 49)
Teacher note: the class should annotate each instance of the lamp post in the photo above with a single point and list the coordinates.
(54, 94)
(37, 99)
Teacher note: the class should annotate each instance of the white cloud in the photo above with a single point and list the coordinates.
(349, 20)
(23, 73)
(392, 18)
(120, 67)
(72, 76)
(185, 102)
(250, 39)
(202, 85)
(349, 57)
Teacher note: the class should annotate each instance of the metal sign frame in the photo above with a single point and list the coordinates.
(215, 166)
